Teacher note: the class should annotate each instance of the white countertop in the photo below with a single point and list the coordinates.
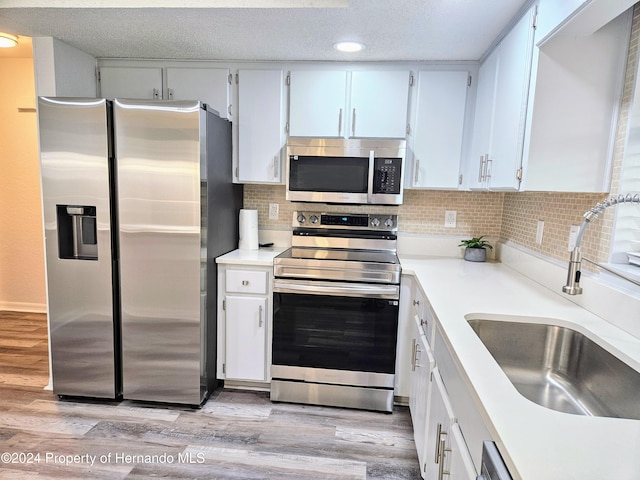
(537, 443)
(262, 257)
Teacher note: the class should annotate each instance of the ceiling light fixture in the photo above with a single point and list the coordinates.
(7, 40)
(349, 47)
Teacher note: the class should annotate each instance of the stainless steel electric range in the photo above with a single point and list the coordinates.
(335, 320)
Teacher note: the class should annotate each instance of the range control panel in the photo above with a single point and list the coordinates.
(366, 221)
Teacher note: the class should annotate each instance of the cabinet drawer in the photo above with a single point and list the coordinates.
(246, 281)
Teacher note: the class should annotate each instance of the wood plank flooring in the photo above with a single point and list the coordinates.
(235, 435)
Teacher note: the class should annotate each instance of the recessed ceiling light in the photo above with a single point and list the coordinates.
(349, 47)
(7, 40)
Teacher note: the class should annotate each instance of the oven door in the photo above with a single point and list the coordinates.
(335, 332)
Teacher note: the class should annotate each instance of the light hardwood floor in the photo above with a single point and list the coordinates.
(235, 435)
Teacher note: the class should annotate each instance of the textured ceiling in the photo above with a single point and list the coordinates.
(411, 30)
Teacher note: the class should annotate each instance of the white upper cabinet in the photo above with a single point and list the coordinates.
(317, 103)
(208, 85)
(130, 82)
(437, 129)
(339, 103)
(573, 108)
(379, 103)
(261, 126)
(499, 125)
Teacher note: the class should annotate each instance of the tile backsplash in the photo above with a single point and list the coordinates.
(511, 217)
(423, 211)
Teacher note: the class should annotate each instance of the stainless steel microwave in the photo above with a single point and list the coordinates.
(355, 171)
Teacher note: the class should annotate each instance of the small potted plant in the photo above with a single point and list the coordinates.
(476, 249)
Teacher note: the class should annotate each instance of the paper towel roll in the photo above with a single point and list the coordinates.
(248, 229)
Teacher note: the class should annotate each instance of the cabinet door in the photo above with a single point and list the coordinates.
(422, 365)
(208, 85)
(261, 131)
(404, 348)
(379, 102)
(457, 460)
(246, 338)
(438, 128)
(439, 425)
(131, 82)
(317, 103)
(475, 171)
(510, 105)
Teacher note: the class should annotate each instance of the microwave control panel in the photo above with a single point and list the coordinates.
(387, 175)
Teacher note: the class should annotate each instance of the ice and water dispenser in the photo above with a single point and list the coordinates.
(77, 232)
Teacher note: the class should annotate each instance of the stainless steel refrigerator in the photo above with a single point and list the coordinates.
(138, 201)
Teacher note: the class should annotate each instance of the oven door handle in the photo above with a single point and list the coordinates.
(391, 292)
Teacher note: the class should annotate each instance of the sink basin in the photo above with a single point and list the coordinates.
(562, 369)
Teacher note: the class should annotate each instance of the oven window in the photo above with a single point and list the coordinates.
(328, 174)
(342, 333)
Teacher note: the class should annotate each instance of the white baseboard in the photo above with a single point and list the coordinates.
(24, 307)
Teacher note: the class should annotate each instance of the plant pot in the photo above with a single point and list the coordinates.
(475, 254)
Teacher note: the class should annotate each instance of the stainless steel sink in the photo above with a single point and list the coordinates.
(562, 369)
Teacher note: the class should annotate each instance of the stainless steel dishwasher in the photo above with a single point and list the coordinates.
(493, 467)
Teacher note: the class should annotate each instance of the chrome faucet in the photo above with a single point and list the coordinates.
(575, 260)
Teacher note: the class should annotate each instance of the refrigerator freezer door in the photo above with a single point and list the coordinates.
(158, 170)
(74, 152)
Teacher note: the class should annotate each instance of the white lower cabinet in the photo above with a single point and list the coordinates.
(441, 410)
(422, 365)
(244, 324)
(246, 339)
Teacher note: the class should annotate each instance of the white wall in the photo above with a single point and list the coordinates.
(22, 277)
(62, 70)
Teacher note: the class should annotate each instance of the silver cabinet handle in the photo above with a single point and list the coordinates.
(416, 357)
(416, 176)
(245, 282)
(439, 434)
(481, 169)
(353, 123)
(170, 93)
(260, 316)
(340, 123)
(488, 163)
(276, 167)
(413, 355)
(441, 471)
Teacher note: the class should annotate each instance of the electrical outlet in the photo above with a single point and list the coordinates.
(274, 211)
(573, 236)
(539, 232)
(450, 218)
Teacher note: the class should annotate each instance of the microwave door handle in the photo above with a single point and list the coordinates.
(372, 175)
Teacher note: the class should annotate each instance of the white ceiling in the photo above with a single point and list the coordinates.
(398, 30)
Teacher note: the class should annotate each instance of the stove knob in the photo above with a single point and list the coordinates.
(313, 219)
(375, 222)
(388, 223)
(301, 218)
